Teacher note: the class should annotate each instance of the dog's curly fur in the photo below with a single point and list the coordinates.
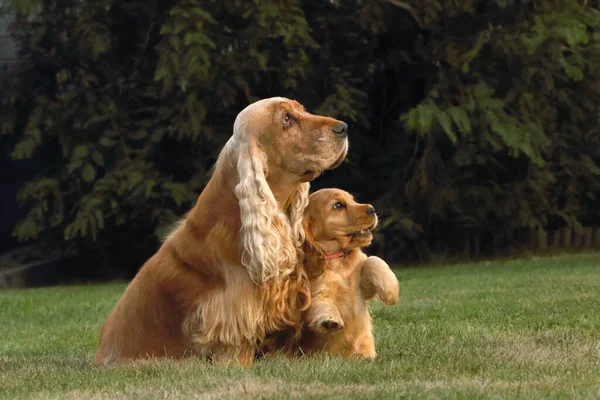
(231, 272)
(338, 321)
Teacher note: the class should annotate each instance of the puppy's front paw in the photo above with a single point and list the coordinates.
(328, 325)
(389, 295)
(378, 279)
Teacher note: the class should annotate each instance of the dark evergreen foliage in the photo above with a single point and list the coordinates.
(467, 117)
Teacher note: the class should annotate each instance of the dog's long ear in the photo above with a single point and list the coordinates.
(295, 211)
(268, 249)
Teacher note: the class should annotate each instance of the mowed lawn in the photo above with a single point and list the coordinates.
(507, 329)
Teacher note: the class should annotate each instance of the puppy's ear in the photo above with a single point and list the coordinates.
(308, 224)
(314, 264)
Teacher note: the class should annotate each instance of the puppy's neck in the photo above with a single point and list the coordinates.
(316, 257)
(331, 256)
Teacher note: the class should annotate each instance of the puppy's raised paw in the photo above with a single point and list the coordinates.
(389, 294)
(378, 279)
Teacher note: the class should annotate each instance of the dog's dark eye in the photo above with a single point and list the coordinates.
(338, 206)
(287, 119)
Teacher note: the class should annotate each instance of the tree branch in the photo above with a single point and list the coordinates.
(409, 9)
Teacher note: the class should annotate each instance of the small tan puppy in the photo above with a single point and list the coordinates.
(342, 277)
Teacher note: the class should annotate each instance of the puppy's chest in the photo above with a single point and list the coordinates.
(343, 288)
(354, 312)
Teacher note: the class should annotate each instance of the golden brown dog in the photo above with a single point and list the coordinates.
(342, 277)
(231, 272)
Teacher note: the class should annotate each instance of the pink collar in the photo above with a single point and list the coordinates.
(331, 256)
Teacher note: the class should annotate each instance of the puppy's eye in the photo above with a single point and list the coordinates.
(338, 206)
(287, 119)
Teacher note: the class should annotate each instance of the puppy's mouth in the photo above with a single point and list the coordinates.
(363, 233)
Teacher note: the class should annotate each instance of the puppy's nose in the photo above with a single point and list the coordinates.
(370, 210)
(341, 128)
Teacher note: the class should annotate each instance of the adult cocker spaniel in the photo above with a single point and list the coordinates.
(342, 277)
(231, 272)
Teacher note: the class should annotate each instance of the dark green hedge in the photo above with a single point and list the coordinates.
(466, 117)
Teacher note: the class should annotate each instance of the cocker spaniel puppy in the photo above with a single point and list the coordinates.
(231, 272)
(342, 277)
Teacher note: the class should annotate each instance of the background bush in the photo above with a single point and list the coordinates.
(467, 117)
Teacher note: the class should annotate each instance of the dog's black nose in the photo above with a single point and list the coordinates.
(341, 129)
(370, 210)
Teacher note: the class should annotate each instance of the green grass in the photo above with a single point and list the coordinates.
(509, 329)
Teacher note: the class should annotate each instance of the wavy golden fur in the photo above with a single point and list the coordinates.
(231, 272)
(343, 278)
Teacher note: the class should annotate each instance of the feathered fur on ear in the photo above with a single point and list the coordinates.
(307, 224)
(314, 265)
(269, 251)
(295, 211)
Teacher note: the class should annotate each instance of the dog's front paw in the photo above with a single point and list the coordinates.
(328, 325)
